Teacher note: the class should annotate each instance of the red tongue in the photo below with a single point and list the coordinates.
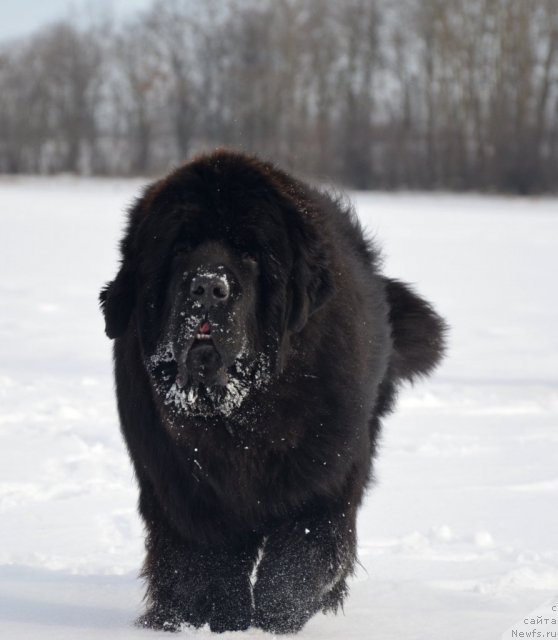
(205, 328)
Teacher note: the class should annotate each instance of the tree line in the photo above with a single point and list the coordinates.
(423, 94)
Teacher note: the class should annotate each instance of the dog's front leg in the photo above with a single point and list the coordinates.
(303, 570)
(197, 585)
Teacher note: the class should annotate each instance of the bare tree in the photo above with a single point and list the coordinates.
(369, 93)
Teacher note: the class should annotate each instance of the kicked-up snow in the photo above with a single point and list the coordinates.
(457, 538)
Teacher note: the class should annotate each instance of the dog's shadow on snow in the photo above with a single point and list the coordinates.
(52, 598)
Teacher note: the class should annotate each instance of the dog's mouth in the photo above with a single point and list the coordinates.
(198, 380)
(203, 334)
(202, 364)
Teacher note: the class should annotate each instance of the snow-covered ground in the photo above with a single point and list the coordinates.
(458, 538)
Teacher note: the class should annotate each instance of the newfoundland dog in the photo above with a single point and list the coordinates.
(256, 348)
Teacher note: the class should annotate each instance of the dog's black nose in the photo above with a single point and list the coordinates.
(209, 289)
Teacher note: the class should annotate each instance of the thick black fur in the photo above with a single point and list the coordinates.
(250, 513)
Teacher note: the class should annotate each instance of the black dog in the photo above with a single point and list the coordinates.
(256, 348)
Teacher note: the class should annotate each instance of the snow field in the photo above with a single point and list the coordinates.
(458, 535)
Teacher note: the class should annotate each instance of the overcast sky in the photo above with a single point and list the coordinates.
(20, 17)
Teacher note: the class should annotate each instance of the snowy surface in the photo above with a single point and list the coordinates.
(458, 538)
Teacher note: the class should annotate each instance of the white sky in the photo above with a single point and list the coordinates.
(21, 17)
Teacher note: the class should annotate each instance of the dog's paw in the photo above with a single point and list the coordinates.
(232, 607)
(159, 620)
(282, 611)
(222, 621)
(281, 622)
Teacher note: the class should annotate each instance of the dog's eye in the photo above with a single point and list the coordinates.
(249, 256)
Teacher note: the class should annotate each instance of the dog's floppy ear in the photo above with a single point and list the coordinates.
(311, 284)
(418, 332)
(117, 300)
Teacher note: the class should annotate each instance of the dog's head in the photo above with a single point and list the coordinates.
(221, 264)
